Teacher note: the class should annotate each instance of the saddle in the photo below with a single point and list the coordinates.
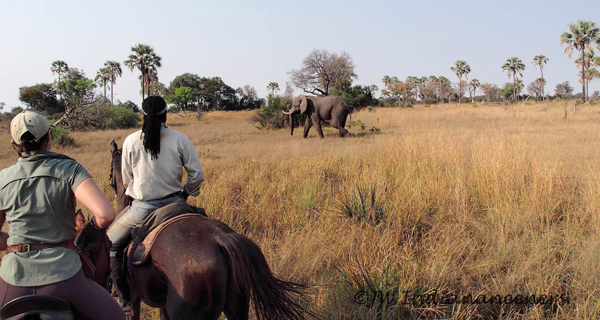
(143, 236)
(36, 307)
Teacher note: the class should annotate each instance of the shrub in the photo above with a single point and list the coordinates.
(362, 206)
(120, 118)
(270, 116)
(60, 136)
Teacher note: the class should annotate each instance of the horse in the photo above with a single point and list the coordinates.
(199, 268)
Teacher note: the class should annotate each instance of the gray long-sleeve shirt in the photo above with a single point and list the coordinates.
(149, 179)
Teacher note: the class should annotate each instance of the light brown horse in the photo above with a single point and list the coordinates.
(201, 268)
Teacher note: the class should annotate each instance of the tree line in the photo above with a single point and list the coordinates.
(73, 100)
(325, 73)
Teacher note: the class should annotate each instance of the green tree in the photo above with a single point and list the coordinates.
(182, 97)
(273, 87)
(216, 95)
(248, 98)
(461, 68)
(189, 80)
(114, 70)
(581, 36)
(41, 98)
(79, 97)
(129, 105)
(512, 67)
(539, 61)
(60, 68)
(144, 59)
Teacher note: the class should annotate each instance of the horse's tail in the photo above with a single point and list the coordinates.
(273, 298)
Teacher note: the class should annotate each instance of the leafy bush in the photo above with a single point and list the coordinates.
(60, 136)
(270, 116)
(358, 97)
(120, 118)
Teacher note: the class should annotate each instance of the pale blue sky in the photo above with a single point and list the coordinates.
(256, 42)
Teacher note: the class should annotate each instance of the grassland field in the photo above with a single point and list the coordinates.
(447, 199)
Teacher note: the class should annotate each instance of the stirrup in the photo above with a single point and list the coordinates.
(128, 310)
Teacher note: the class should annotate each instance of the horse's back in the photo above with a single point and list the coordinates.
(187, 262)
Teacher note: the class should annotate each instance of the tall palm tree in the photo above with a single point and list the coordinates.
(114, 70)
(589, 61)
(512, 67)
(59, 67)
(144, 59)
(474, 85)
(539, 61)
(273, 87)
(102, 77)
(461, 68)
(581, 37)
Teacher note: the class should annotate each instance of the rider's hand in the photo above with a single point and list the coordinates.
(184, 195)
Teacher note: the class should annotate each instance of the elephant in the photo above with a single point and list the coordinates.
(330, 108)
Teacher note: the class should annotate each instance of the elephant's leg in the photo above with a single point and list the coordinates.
(319, 129)
(307, 125)
(343, 131)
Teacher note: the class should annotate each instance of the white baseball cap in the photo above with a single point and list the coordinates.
(29, 121)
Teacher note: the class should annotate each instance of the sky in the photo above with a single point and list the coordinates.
(261, 41)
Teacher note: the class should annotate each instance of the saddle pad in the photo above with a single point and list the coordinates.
(142, 251)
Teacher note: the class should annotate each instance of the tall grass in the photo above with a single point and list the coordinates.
(480, 201)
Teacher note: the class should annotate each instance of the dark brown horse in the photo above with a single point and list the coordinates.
(201, 268)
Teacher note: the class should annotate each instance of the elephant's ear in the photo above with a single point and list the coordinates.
(303, 105)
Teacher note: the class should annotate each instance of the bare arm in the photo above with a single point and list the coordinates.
(3, 235)
(90, 195)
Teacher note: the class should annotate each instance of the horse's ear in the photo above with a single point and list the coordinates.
(79, 220)
(113, 147)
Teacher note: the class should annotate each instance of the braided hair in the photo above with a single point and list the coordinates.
(154, 109)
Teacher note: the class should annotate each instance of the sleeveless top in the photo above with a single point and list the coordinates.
(37, 195)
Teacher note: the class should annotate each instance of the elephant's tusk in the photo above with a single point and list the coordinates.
(285, 112)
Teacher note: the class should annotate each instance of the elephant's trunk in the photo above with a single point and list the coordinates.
(292, 123)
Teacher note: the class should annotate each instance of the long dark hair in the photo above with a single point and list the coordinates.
(29, 145)
(154, 110)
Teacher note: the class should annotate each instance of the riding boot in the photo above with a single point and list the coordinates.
(119, 279)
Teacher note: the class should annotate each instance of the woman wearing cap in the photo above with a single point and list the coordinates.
(152, 168)
(37, 199)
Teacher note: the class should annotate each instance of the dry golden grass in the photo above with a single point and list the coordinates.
(476, 200)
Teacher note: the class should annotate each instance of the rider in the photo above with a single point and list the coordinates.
(37, 199)
(152, 164)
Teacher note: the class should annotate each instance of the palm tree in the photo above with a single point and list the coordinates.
(512, 67)
(539, 61)
(581, 37)
(540, 82)
(273, 87)
(474, 85)
(461, 68)
(145, 60)
(59, 67)
(114, 70)
(589, 61)
(102, 77)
